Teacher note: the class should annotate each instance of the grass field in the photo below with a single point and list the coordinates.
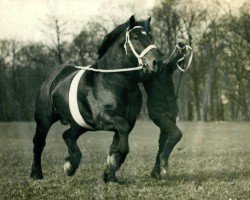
(212, 161)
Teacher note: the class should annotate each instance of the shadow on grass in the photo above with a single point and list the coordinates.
(196, 178)
(200, 177)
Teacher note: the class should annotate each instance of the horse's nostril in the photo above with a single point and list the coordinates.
(154, 62)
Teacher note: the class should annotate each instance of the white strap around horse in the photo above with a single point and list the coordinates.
(73, 100)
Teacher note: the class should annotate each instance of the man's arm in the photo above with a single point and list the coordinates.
(178, 54)
(171, 65)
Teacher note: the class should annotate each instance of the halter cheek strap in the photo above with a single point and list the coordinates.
(143, 53)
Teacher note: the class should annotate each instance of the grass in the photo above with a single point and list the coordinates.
(212, 161)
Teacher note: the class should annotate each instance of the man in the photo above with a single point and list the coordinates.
(162, 108)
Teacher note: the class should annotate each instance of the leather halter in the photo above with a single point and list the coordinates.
(143, 53)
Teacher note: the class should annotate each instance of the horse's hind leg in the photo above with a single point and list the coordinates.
(70, 137)
(39, 142)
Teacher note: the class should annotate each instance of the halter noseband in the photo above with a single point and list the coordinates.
(143, 53)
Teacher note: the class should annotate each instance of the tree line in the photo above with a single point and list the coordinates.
(215, 88)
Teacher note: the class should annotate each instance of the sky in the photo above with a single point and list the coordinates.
(23, 19)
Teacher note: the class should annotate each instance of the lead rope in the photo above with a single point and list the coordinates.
(189, 61)
(180, 68)
(179, 83)
(109, 70)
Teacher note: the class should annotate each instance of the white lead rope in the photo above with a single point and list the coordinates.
(181, 59)
(180, 68)
(189, 61)
(89, 68)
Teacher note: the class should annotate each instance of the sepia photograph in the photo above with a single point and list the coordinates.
(125, 99)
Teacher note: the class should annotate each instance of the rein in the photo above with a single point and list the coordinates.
(141, 64)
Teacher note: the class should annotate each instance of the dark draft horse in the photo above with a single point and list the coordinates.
(105, 101)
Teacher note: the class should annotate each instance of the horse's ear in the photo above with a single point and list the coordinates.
(132, 21)
(149, 20)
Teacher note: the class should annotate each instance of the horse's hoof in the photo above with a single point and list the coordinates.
(156, 175)
(164, 170)
(69, 169)
(36, 175)
(111, 183)
(164, 166)
(110, 178)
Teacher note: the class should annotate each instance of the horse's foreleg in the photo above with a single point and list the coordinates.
(117, 154)
(118, 149)
(39, 142)
(70, 137)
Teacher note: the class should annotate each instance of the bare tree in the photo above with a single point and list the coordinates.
(56, 31)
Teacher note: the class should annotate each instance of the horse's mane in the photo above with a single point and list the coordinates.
(110, 38)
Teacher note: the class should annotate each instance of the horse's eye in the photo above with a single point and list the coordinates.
(135, 38)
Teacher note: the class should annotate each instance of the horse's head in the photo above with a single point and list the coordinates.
(130, 45)
(138, 45)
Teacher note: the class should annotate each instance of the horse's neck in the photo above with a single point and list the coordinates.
(115, 60)
(122, 79)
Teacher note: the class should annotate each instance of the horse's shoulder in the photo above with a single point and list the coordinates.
(67, 69)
